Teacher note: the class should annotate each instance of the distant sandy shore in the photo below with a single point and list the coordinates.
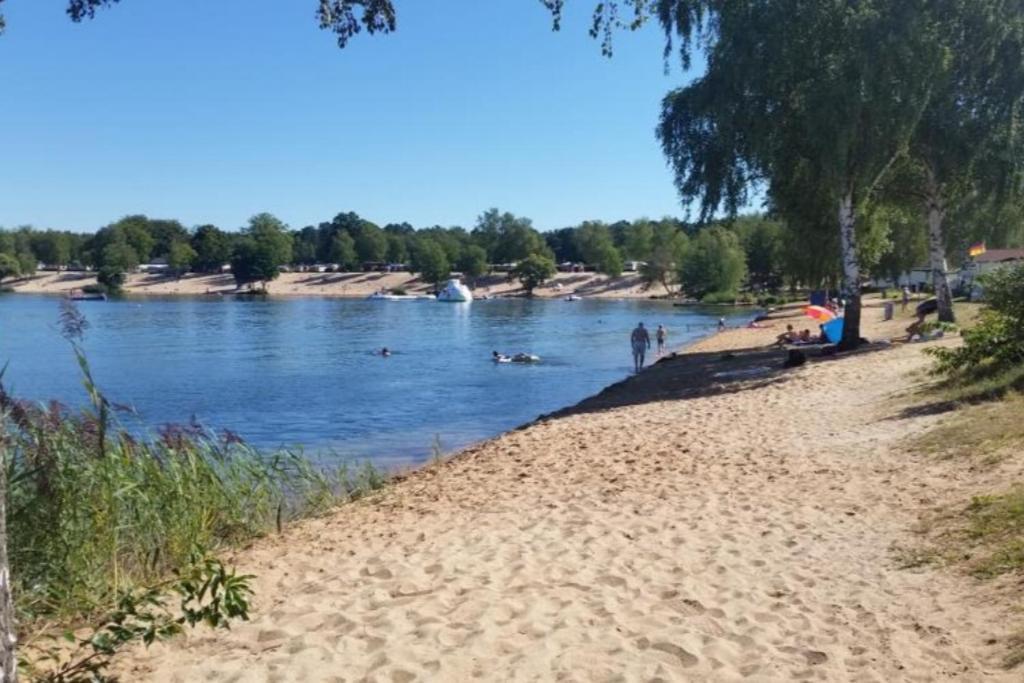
(355, 285)
(716, 518)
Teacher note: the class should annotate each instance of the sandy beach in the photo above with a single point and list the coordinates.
(354, 285)
(716, 518)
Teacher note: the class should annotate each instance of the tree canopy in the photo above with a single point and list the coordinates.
(9, 266)
(827, 114)
(713, 263)
(533, 271)
(212, 247)
(264, 247)
(431, 261)
(348, 18)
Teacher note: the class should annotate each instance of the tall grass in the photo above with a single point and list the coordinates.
(93, 510)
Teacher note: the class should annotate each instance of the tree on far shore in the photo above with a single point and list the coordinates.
(264, 248)
(472, 262)
(212, 247)
(668, 247)
(115, 261)
(430, 261)
(180, 256)
(371, 243)
(713, 263)
(533, 271)
(9, 266)
(343, 251)
(594, 242)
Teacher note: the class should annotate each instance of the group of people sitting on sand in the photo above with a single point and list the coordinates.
(792, 337)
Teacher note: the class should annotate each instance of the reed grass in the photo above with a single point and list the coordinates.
(93, 510)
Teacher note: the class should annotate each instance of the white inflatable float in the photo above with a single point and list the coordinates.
(455, 291)
(518, 358)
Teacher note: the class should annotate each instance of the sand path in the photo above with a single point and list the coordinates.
(735, 536)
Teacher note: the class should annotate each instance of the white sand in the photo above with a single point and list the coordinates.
(741, 535)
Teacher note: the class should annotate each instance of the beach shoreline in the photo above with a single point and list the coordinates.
(343, 285)
(659, 529)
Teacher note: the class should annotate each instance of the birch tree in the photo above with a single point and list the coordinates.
(804, 99)
(967, 143)
(8, 654)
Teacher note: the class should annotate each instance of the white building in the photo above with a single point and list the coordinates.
(915, 278)
(157, 265)
(633, 266)
(991, 260)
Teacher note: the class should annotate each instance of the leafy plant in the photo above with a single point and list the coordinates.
(996, 342)
(209, 593)
(111, 278)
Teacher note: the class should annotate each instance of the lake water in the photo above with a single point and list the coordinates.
(302, 371)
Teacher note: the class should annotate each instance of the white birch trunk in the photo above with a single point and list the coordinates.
(937, 249)
(851, 271)
(8, 656)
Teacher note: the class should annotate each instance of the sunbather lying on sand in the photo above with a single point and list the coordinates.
(787, 337)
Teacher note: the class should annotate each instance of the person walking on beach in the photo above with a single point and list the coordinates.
(661, 335)
(906, 297)
(641, 342)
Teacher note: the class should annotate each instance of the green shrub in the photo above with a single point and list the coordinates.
(208, 593)
(111, 277)
(996, 342)
(399, 291)
(939, 325)
(719, 298)
(95, 289)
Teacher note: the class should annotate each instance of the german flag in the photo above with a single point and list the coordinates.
(976, 249)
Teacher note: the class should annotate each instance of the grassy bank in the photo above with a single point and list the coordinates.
(980, 534)
(978, 390)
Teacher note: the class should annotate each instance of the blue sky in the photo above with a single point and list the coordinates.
(211, 111)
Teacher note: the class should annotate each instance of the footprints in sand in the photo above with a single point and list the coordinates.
(684, 658)
(675, 551)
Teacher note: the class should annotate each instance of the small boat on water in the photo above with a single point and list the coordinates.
(387, 296)
(573, 297)
(82, 295)
(454, 290)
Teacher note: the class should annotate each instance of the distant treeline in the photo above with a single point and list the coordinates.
(752, 252)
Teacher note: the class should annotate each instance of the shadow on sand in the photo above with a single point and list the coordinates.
(686, 376)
